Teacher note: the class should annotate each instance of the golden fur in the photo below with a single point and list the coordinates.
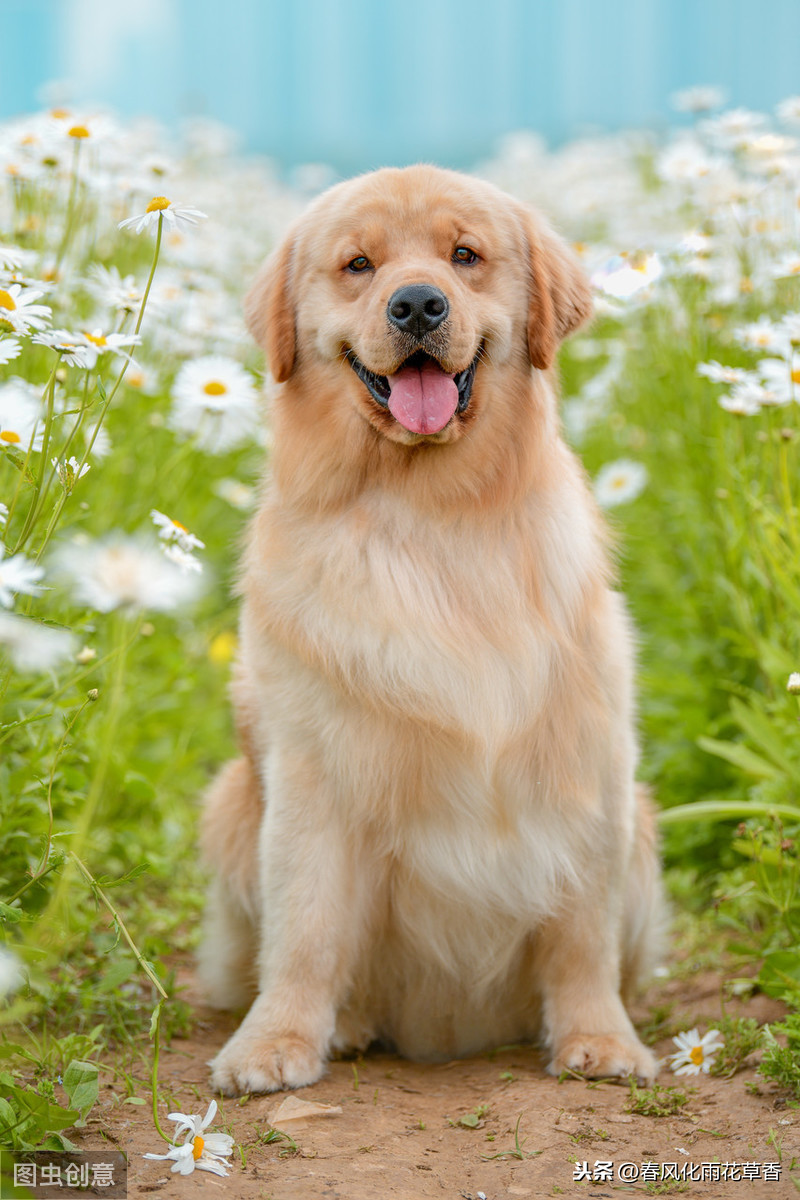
(433, 835)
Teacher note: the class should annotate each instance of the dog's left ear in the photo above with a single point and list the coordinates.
(560, 292)
(269, 311)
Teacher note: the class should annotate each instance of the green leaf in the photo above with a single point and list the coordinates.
(725, 810)
(780, 976)
(82, 1086)
(763, 732)
(58, 1142)
(154, 1018)
(740, 756)
(471, 1120)
(117, 973)
(108, 881)
(12, 915)
(139, 788)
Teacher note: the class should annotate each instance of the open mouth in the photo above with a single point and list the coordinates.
(421, 395)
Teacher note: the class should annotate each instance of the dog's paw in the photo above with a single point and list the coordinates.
(604, 1055)
(251, 1062)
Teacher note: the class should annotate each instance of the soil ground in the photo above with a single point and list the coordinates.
(398, 1135)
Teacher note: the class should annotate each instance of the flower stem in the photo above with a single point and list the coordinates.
(118, 921)
(155, 1033)
(48, 394)
(121, 376)
(70, 218)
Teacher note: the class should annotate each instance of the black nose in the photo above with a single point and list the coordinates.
(417, 308)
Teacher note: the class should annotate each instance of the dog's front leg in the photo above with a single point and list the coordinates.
(313, 905)
(578, 965)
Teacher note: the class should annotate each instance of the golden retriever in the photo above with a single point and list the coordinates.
(432, 836)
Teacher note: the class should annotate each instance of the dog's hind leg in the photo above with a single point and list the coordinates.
(227, 956)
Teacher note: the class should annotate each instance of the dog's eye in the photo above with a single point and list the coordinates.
(359, 264)
(463, 254)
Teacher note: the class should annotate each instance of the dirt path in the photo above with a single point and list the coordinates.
(398, 1134)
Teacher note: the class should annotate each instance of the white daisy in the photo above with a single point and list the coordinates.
(239, 495)
(786, 267)
(789, 327)
(18, 574)
(625, 275)
(762, 334)
(9, 348)
(14, 258)
(69, 472)
(123, 572)
(10, 973)
(101, 446)
(736, 127)
(779, 380)
(3, 513)
(695, 1053)
(793, 683)
(685, 161)
(113, 290)
(698, 99)
(217, 1143)
(744, 399)
(214, 399)
(33, 646)
(75, 348)
(170, 530)
(111, 343)
(173, 215)
(202, 1150)
(183, 559)
(718, 373)
(187, 1160)
(788, 110)
(20, 410)
(619, 482)
(143, 379)
(19, 310)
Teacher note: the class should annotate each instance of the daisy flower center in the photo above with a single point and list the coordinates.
(59, 114)
(78, 131)
(178, 525)
(212, 388)
(697, 1056)
(7, 301)
(796, 375)
(158, 204)
(197, 1147)
(8, 435)
(97, 340)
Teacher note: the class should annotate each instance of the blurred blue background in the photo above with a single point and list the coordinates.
(358, 84)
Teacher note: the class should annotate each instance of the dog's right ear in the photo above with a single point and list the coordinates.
(269, 311)
(560, 293)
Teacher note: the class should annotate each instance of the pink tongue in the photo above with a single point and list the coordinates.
(423, 399)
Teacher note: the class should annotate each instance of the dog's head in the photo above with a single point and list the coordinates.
(416, 285)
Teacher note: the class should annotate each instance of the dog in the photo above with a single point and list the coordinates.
(432, 837)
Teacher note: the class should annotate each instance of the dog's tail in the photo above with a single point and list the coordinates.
(645, 923)
(229, 841)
